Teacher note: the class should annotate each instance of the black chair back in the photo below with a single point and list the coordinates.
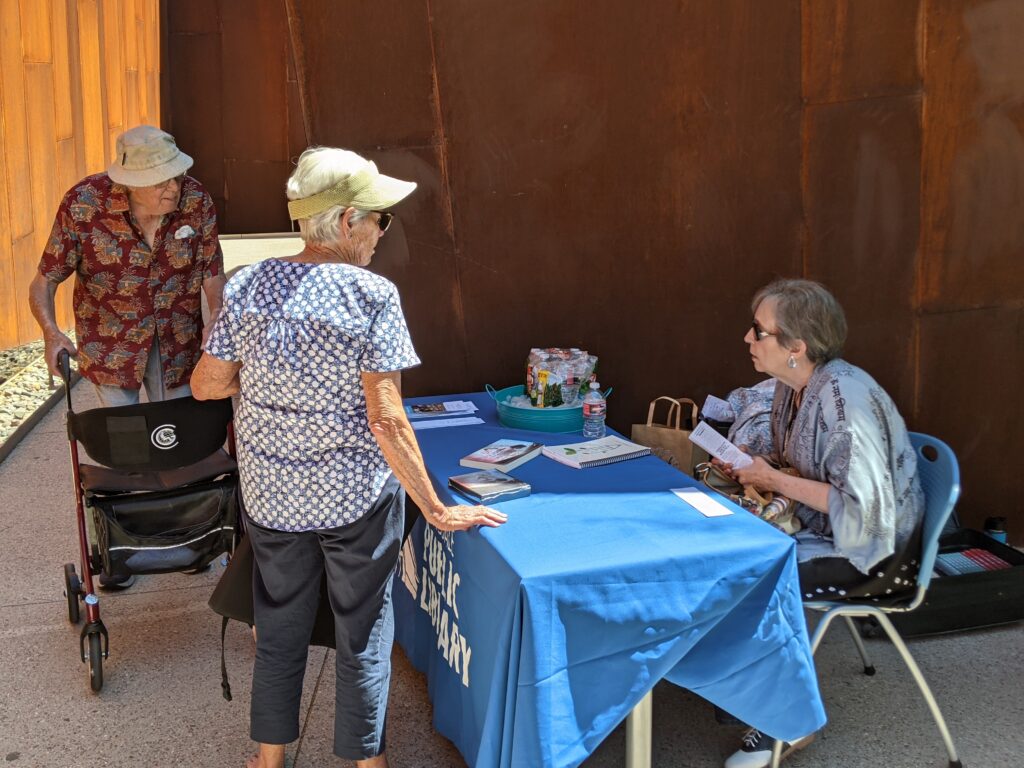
(152, 436)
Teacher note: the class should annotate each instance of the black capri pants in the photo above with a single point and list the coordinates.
(359, 560)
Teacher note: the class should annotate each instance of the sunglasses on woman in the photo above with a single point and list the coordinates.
(384, 221)
(759, 333)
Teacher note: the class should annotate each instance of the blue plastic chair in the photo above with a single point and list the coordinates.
(940, 478)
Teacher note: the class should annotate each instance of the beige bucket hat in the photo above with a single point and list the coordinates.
(365, 188)
(147, 156)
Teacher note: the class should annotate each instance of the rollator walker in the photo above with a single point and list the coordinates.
(161, 495)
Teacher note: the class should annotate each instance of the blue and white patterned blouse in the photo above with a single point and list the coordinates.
(303, 334)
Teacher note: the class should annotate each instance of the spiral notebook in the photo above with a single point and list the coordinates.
(594, 453)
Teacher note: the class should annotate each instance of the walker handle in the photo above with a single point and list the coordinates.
(64, 366)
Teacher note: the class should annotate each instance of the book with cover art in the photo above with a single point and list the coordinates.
(502, 454)
(447, 408)
(489, 485)
(594, 453)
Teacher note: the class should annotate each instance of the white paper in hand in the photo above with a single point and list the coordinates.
(716, 445)
(718, 409)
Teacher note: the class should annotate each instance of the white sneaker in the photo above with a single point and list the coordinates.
(756, 751)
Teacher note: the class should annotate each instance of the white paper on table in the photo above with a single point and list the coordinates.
(418, 425)
(718, 409)
(712, 442)
(702, 502)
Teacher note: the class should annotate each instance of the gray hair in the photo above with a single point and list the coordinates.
(317, 169)
(805, 310)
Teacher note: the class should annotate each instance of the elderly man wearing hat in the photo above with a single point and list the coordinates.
(142, 240)
(315, 344)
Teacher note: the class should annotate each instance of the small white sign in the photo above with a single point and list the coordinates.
(702, 502)
(421, 425)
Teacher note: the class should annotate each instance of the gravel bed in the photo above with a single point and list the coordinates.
(24, 386)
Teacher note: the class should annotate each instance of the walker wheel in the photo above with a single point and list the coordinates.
(72, 590)
(95, 662)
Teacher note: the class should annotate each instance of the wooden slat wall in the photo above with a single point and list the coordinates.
(73, 75)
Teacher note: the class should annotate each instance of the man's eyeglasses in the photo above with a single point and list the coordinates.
(179, 180)
(759, 333)
(384, 221)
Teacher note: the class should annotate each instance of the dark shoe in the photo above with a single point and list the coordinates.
(200, 569)
(756, 751)
(116, 583)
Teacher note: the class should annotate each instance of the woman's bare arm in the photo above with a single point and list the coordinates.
(397, 441)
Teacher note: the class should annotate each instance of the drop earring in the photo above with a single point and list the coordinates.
(791, 362)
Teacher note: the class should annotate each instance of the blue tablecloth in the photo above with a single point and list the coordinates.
(539, 637)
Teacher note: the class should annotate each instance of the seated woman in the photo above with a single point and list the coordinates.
(857, 494)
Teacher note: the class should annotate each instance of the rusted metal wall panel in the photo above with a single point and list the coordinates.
(195, 108)
(972, 368)
(863, 170)
(623, 179)
(855, 49)
(383, 101)
(652, 153)
(972, 277)
(229, 105)
(605, 186)
(974, 156)
(370, 75)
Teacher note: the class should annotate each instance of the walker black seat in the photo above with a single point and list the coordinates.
(96, 479)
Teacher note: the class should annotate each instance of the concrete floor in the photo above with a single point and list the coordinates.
(162, 705)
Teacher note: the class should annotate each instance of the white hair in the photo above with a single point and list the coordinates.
(320, 168)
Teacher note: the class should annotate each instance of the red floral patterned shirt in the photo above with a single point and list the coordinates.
(125, 291)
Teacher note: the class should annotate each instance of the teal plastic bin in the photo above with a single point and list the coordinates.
(538, 419)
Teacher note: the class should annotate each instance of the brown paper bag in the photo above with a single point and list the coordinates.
(670, 440)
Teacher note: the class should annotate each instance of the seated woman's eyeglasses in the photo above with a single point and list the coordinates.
(385, 220)
(759, 333)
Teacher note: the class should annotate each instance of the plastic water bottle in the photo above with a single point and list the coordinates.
(594, 410)
(996, 528)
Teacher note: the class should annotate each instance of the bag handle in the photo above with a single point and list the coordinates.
(672, 409)
(694, 410)
(676, 409)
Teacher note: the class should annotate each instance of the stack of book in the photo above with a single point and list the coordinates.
(502, 455)
(450, 408)
(489, 485)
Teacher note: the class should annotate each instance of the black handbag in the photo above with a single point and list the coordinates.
(232, 599)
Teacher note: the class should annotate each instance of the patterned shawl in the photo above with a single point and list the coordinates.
(848, 433)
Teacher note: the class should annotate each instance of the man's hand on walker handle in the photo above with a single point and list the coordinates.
(463, 516)
(53, 343)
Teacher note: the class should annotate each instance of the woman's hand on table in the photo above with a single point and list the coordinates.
(463, 516)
